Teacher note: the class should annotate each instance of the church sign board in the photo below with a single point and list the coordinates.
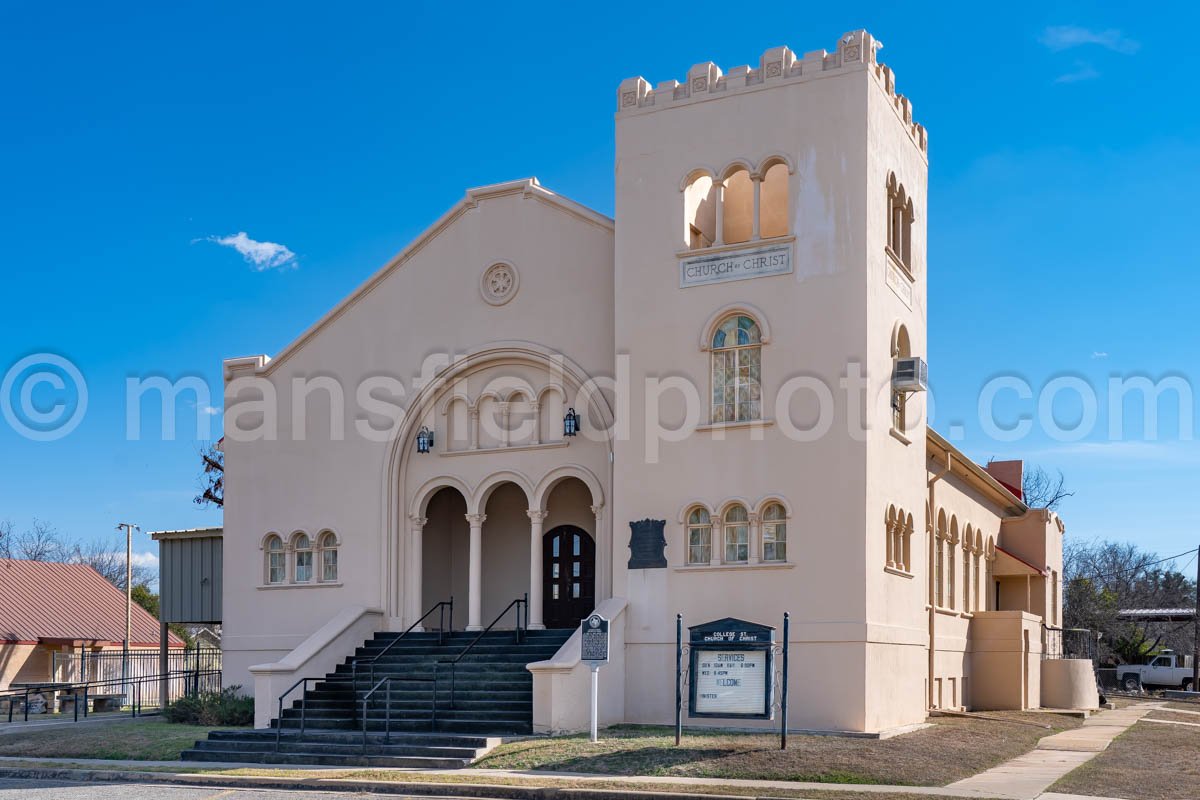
(735, 265)
(732, 670)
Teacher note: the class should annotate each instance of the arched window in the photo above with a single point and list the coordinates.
(939, 562)
(990, 555)
(737, 207)
(328, 545)
(276, 565)
(951, 543)
(740, 207)
(737, 535)
(699, 533)
(700, 212)
(891, 523)
(977, 551)
(302, 546)
(901, 348)
(773, 201)
(774, 533)
(736, 370)
(966, 573)
(899, 221)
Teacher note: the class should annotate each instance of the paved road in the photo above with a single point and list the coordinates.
(54, 790)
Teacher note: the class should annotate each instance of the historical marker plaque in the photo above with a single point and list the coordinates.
(594, 645)
(732, 670)
(647, 544)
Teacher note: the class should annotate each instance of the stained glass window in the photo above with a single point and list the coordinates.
(699, 537)
(737, 535)
(736, 370)
(774, 533)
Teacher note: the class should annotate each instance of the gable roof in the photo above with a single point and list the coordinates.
(526, 187)
(47, 600)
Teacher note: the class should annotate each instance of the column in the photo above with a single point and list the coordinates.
(416, 569)
(475, 575)
(754, 234)
(719, 233)
(536, 518)
(506, 434)
(754, 546)
(603, 557)
(473, 428)
(537, 422)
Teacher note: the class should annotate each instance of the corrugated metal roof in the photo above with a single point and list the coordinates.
(47, 600)
(1157, 614)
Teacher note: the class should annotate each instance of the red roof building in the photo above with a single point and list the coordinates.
(47, 606)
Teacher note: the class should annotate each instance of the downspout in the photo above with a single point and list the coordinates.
(933, 542)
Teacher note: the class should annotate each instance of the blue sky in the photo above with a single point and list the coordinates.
(1063, 149)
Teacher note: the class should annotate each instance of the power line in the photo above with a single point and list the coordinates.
(1141, 567)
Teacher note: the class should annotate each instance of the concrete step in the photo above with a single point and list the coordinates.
(324, 759)
(486, 727)
(338, 737)
(375, 746)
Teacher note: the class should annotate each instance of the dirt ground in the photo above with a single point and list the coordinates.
(1148, 761)
(950, 749)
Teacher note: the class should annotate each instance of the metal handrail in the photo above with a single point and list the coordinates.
(519, 602)
(303, 708)
(387, 728)
(439, 607)
(131, 687)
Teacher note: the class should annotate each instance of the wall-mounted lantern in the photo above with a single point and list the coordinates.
(424, 440)
(570, 423)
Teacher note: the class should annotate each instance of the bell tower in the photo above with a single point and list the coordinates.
(769, 271)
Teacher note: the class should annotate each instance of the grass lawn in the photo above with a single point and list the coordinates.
(952, 748)
(1148, 761)
(140, 740)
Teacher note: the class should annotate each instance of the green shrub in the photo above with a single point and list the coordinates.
(227, 707)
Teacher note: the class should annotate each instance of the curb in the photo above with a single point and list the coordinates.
(475, 790)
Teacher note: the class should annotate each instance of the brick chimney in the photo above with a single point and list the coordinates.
(1009, 473)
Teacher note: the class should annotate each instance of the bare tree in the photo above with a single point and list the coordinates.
(108, 558)
(1040, 489)
(40, 542)
(1102, 578)
(43, 542)
(212, 478)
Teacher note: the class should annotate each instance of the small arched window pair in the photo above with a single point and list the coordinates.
(899, 222)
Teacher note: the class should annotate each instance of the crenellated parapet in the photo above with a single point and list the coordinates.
(855, 51)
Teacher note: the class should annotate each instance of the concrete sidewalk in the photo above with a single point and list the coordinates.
(1027, 777)
(1024, 778)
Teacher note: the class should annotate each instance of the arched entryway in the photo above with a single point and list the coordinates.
(485, 547)
(568, 576)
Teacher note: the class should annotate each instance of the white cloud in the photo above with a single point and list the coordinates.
(261, 255)
(148, 560)
(1083, 72)
(1099, 354)
(1064, 37)
(213, 411)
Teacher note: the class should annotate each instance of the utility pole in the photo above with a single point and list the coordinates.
(129, 528)
(1196, 631)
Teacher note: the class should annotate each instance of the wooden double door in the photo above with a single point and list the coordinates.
(568, 576)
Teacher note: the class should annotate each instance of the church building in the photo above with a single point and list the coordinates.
(711, 406)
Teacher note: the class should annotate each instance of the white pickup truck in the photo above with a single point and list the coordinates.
(1165, 669)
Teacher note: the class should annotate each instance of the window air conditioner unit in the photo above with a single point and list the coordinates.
(910, 375)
